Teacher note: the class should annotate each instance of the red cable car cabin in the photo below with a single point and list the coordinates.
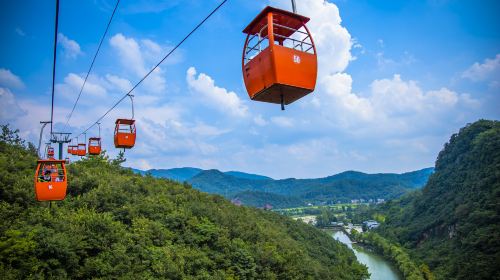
(74, 150)
(94, 145)
(50, 152)
(125, 133)
(81, 149)
(279, 58)
(69, 149)
(50, 180)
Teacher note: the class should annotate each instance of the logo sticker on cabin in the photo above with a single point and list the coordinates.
(296, 59)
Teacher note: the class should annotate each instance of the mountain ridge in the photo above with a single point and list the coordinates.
(251, 189)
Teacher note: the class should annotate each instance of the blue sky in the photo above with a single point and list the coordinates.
(396, 79)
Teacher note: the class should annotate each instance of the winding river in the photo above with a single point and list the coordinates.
(378, 267)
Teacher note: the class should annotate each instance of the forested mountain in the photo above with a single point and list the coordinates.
(183, 174)
(453, 224)
(297, 192)
(177, 174)
(117, 224)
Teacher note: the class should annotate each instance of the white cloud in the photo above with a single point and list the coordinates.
(72, 84)
(9, 108)
(123, 85)
(134, 58)
(225, 101)
(282, 121)
(129, 52)
(259, 120)
(490, 68)
(71, 48)
(8, 79)
(340, 98)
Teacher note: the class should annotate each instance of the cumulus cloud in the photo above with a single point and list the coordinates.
(282, 121)
(136, 57)
(72, 83)
(220, 98)
(259, 120)
(489, 69)
(9, 108)
(71, 48)
(8, 79)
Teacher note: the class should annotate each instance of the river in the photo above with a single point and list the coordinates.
(378, 267)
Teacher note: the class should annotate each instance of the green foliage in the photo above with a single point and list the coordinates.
(453, 224)
(117, 224)
(325, 218)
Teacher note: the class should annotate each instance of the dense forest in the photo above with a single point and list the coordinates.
(117, 224)
(453, 224)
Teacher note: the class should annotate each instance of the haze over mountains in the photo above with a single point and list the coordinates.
(258, 190)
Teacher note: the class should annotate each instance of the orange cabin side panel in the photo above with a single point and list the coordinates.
(295, 68)
(49, 191)
(259, 73)
(94, 150)
(124, 140)
(81, 152)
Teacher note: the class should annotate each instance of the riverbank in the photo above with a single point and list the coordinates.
(396, 254)
(378, 267)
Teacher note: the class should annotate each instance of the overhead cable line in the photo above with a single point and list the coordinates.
(91, 65)
(154, 68)
(54, 66)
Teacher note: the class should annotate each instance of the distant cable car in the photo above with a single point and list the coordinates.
(50, 152)
(94, 145)
(74, 150)
(50, 180)
(279, 57)
(81, 149)
(67, 160)
(125, 132)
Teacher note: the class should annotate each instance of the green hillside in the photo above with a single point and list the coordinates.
(117, 224)
(453, 224)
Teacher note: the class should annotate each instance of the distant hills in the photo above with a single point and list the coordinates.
(258, 190)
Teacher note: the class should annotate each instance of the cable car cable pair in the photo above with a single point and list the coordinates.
(131, 122)
(50, 176)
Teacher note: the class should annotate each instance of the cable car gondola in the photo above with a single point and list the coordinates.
(94, 145)
(50, 180)
(74, 150)
(125, 132)
(279, 61)
(81, 149)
